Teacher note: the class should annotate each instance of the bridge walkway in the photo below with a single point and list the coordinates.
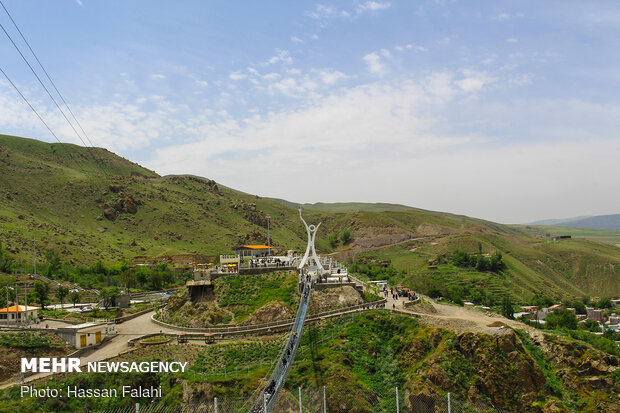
(268, 398)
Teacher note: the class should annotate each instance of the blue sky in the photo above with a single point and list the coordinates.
(505, 110)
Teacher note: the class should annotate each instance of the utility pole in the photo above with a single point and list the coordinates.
(7, 305)
(268, 239)
(35, 256)
(26, 302)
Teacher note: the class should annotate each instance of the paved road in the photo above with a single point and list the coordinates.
(138, 326)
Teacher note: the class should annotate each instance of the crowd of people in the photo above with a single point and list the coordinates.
(410, 295)
(268, 262)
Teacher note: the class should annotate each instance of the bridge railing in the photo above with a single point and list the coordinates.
(272, 324)
(269, 396)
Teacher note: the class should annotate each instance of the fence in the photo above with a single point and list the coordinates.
(322, 400)
(274, 324)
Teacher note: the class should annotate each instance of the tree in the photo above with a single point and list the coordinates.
(74, 298)
(156, 280)
(61, 294)
(141, 276)
(576, 304)
(507, 310)
(482, 264)
(168, 276)
(562, 318)
(345, 237)
(53, 262)
(108, 295)
(42, 290)
(460, 258)
(6, 261)
(604, 303)
(542, 300)
(591, 325)
(333, 239)
(7, 291)
(496, 263)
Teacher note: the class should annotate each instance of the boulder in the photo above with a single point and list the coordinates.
(109, 212)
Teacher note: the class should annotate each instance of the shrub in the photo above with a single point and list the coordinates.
(345, 237)
(562, 319)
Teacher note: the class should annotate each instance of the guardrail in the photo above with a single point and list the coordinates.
(272, 325)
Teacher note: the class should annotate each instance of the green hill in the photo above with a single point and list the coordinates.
(90, 204)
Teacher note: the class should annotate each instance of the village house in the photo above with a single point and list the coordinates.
(86, 334)
(18, 314)
(596, 315)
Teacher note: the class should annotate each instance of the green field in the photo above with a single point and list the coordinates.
(601, 235)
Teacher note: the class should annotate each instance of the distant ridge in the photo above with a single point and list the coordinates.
(611, 222)
(349, 206)
(558, 222)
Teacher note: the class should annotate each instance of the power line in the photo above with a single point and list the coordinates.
(39, 116)
(51, 81)
(41, 82)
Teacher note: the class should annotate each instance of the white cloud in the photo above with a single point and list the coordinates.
(323, 11)
(158, 76)
(521, 79)
(281, 56)
(388, 137)
(371, 6)
(271, 76)
(374, 63)
(235, 76)
(330, 77)
(474, 81)
(79, 2)
(296, 39)
(512, 40)
(507, 16)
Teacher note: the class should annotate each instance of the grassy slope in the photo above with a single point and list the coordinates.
(62, 204)
(602, 235)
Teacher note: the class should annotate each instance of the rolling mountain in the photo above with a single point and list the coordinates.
(90, 204)
(610, 222)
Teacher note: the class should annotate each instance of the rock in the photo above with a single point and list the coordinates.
(332, 298)
(115, 188)
(272, 311)
(21, 217)
(440, 377)
(436, 337)
(506, 340)
(134, 243)
(109, 212)
(130, 205)
(101, 229)
(554, 406)
(423, 402)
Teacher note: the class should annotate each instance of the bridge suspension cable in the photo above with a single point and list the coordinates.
(104, 169)
(267, 400)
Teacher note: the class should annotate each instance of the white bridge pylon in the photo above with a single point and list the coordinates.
(311, 229)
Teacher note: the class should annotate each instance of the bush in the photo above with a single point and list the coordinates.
(507, 310)
(333, 239)
(345, 237)
(562, 319)
(590, 325)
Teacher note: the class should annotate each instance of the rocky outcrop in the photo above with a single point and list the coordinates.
(124, 204)
(333, 298)
(273, 311)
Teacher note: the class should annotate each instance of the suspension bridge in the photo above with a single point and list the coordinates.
(310, 269)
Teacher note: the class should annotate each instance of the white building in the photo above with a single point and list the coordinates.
(18, 314)
(86, 334)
